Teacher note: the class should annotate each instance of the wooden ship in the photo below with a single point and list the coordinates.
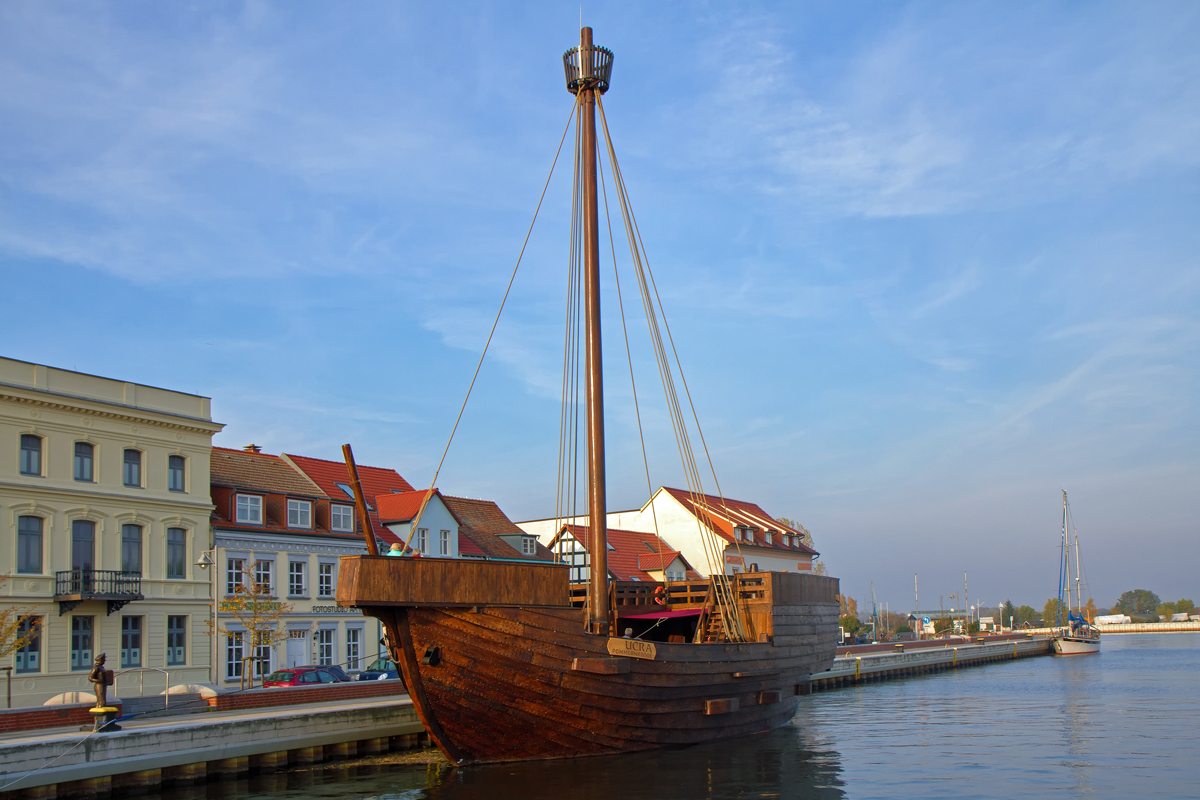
(508, 661)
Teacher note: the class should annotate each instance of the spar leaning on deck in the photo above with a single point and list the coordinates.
(505, 662)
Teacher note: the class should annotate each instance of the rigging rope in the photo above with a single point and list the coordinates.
(714, 551)
(429, 493)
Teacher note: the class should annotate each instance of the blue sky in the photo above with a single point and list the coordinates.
(927, 264)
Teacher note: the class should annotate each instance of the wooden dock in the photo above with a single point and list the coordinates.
(916, 658)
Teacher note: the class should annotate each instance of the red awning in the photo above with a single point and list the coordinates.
(686, 612)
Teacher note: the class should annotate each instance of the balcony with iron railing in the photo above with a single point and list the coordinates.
(116, 587)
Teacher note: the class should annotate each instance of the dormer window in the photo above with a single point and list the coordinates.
(299, 514)
(342, 518)
(528, 545)
(249, 509)
(768, 537)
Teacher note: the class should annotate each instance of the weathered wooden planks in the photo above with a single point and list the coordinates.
(388, 581)
(516, 681)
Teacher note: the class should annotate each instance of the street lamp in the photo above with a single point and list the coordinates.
(204, 562)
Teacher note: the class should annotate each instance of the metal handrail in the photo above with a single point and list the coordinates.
(142, 682)
(97, 582)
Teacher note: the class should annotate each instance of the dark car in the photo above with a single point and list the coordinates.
(380, 669)
(337, 671)
(300, 676)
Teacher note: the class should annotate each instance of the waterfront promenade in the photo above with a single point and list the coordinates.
(180, 750)
(875, 662)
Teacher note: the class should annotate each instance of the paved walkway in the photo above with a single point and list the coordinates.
(152, 719)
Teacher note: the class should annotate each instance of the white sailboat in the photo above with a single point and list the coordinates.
(1075, 635)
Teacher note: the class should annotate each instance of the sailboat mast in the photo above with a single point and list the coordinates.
(1064, 566)
(588, 84)
(1078, 591)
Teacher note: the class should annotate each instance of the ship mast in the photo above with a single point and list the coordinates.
(588, 69)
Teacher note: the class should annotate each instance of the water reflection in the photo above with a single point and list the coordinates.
(788, 763)
(778, 764)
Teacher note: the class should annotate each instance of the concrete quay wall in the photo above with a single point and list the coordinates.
(1151, 627)
(850, 670)
(200, 747)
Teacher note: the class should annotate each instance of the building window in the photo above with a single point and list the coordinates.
(29, 545)
(81, 643)
(325, 580)
(132, 473)
(235, 572)
(131, 548)
(296, 570)
(84, 462)
(83, 545)
(353, 648)
(342, 518)
(31, 454)
(29, 656)
(299, 514)
(528, 545)
(176, 641)
(324, 647)
(233, 655)
(262, 575)
(675, 575)
(767, 536)
(175, 473)
(176, 553)
(131, 642)
(571, 552)
(263, 655)
(249, 509)
(444, 543)
(420, 544)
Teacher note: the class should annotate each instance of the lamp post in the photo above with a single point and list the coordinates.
(204, 562)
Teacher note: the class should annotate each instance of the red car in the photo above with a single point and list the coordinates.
(300, 676)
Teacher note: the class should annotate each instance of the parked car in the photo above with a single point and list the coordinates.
(337, 671)
(300, 676)
(381, 669)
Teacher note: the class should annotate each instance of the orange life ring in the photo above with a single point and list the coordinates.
(660, 595)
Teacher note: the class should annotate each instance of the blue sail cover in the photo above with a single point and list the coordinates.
(1073, 617)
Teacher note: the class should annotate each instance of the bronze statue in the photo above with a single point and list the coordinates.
(101, 679)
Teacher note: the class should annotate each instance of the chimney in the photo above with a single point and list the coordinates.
(252, 448)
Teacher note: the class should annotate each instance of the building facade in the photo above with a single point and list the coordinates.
(105, 508)
(741, 536)
(276, 526)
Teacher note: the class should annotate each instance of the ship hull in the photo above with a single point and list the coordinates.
(505, 685)
(1076, 645)
(500, 665)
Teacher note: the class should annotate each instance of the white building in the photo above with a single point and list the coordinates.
(743, 536)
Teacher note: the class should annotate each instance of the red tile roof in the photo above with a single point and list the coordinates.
(656, 562)
(482, 522)
(723, 516)
(261, 472)
(402, 507)
(375, 481)
(627, 551)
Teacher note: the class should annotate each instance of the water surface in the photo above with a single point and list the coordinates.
(1120, 724)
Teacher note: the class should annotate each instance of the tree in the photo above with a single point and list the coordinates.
(1090, 611)
(1026, 614)
(1009, 611)
(1185, 605)
(19, 626)
(1054, 613)
(260, 618)
(1165, 609)
(1138, 601)
(847, 606)
(818, 567)
(849, 623)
